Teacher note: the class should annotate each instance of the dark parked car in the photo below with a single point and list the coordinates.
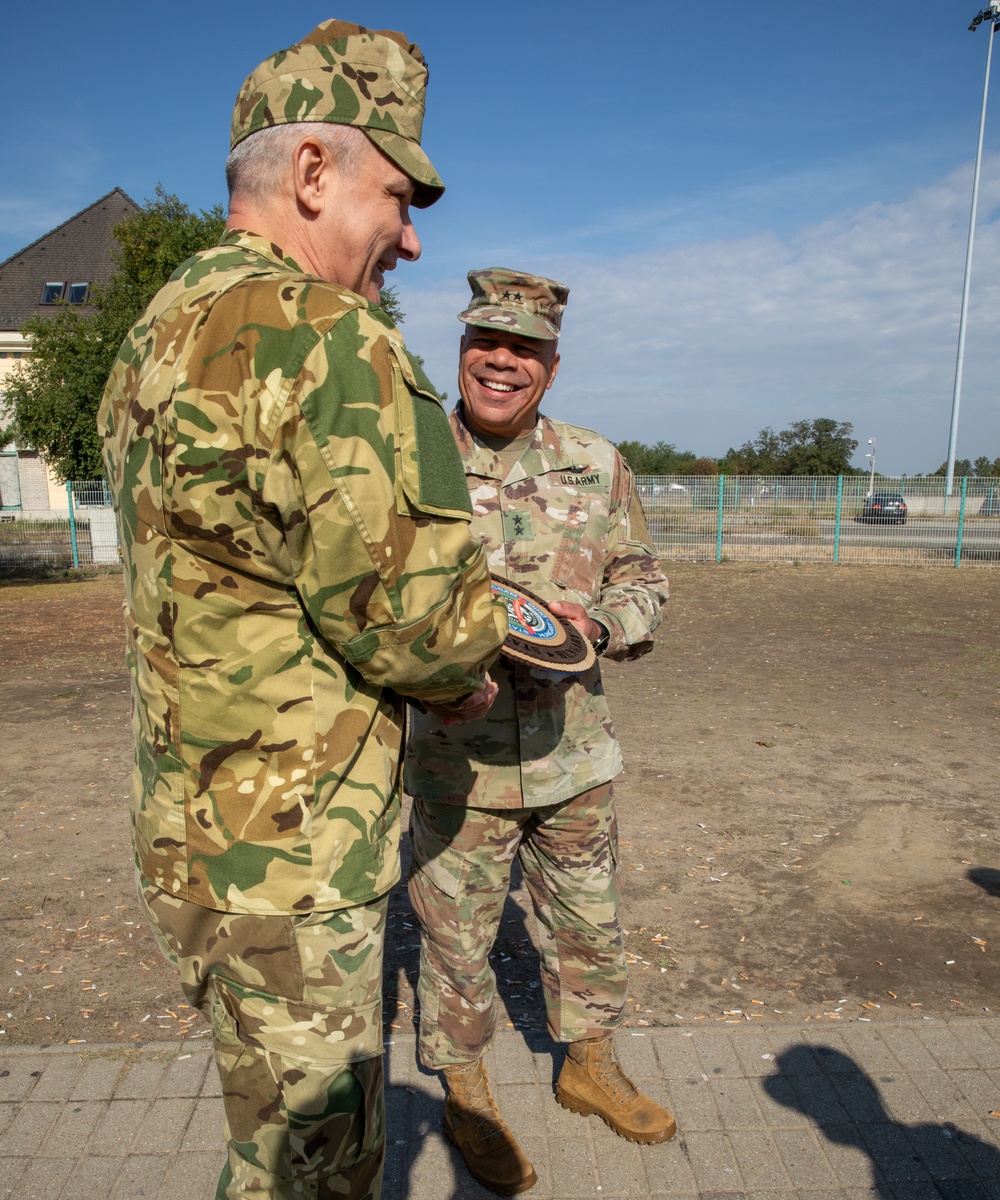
(888, 508)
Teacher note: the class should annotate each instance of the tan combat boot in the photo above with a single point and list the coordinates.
(592, 1082)
(473, 1124)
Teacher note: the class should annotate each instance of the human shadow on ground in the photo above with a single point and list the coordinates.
(514, 959)
(416, 1112)
(988, 878)
(844, 1102)
(412, 1116)
(413, 1113)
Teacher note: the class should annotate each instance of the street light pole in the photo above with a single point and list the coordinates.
(871, 455)
(992, 14)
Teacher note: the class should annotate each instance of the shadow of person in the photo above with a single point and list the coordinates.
(844, 1103)
(514, 958)
(412, 1115)
(988, 878)
(401, 961)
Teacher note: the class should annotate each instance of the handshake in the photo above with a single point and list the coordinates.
(477, 704)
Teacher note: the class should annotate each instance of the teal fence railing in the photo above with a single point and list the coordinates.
(838, 519)
(81, 533)
(749, 518)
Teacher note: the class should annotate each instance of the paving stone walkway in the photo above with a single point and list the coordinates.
(820, 1112)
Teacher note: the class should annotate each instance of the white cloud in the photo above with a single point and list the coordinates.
(703, 344)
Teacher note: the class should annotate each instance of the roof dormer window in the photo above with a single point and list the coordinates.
(77, 293)
(53, 292)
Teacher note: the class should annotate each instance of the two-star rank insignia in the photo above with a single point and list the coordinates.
(517, 527)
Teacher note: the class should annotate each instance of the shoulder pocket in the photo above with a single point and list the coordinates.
(579, 560)
(430, 477)
(636, 528)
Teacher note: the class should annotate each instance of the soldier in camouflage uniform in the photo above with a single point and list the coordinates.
(294, 525)
(556, 508)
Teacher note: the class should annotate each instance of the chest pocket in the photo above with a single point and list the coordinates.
(579, 559)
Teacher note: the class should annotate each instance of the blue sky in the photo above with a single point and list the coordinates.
(760, 209)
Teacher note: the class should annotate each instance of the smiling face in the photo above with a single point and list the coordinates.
(502, 377)
(366, 228)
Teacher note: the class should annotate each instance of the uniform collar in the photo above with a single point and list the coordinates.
(544, 453)
(253, 243)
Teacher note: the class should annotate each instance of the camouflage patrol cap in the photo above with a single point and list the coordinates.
(345, 74)
(525, 304)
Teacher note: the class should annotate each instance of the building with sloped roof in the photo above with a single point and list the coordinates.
(60, 267)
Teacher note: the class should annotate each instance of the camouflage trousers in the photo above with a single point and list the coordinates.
(459, 879)
(295, 1009)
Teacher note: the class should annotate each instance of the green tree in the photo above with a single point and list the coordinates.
(986, 468)
(762, 456)
(963, 466)
(818, 447)
(52, 397)
(703, 466)
(661, 459)
(388, 302)
(151, 245)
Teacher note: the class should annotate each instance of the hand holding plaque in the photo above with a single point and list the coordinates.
(537, 636)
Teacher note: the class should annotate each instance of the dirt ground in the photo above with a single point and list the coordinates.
(809, 811)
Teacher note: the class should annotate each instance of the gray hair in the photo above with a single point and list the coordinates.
(257, 165)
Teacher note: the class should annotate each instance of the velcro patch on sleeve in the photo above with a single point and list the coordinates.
(431, 476)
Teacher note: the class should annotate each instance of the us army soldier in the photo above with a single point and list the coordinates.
(557, 511)
(297, 561)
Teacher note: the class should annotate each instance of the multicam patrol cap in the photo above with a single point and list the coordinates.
(345, 74)
(525, 304)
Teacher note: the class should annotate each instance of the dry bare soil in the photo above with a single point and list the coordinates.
(809, 811)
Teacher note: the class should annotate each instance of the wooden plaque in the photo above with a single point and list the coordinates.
(537, 636)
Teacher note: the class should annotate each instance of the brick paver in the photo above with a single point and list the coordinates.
(852, 1112)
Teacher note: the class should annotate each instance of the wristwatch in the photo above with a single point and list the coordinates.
(602, 642)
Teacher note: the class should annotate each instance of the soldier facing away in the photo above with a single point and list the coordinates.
(294, 526)
(556, 508)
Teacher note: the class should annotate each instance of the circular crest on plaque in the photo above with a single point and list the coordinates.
(537, 636)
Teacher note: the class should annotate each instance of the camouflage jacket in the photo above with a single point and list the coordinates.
(297, 558)
(567, 524)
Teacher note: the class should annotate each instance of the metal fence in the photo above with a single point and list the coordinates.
(83, 534)
(748, 518)
(838, 519)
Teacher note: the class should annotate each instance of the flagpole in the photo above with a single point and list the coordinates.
(991, 14)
